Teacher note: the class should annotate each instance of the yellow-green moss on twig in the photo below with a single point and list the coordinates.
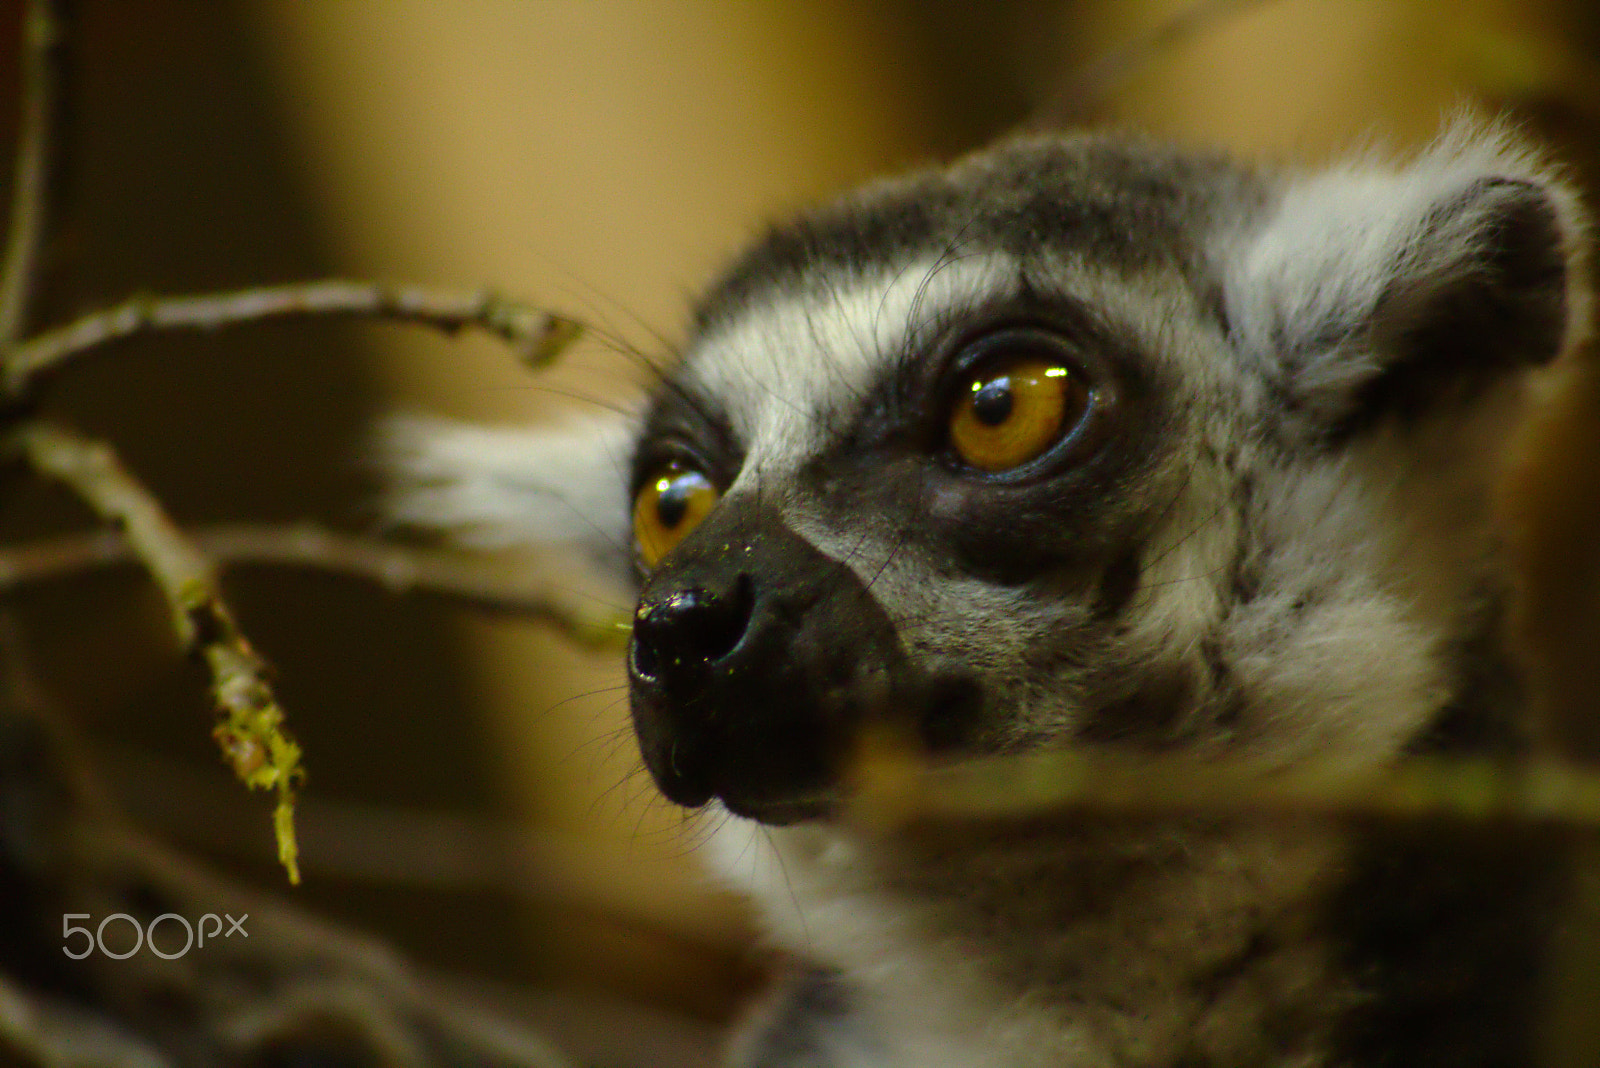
(250, 721)
(250, 728)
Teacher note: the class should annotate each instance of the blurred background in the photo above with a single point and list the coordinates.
(473, 793)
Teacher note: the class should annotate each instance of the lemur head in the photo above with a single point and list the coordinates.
(1080, 438)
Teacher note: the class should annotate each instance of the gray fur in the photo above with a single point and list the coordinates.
(1282, 548)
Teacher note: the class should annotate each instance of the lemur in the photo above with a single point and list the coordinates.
(1083, 440)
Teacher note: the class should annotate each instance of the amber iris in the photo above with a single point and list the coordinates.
(1012, 411)
(672, 503)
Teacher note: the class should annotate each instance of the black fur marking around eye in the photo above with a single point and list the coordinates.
(907, 405)
(1068, 512)
(682, 425)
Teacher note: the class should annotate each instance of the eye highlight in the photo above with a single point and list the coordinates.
(672, 502)
(1013, 406)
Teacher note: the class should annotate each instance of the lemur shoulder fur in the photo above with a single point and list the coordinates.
(1086, 440)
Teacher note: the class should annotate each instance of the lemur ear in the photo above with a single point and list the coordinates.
(497, 487)
(1377, 292)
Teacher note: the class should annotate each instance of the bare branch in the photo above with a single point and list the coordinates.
(43, 36)
(471, 579)
(539, 336)
(250, 728)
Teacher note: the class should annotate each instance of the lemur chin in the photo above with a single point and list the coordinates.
(1089, 440)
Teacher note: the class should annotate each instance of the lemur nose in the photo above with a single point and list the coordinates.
(679, 636)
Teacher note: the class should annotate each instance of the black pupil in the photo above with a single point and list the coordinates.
(992, 401)
(673, 503)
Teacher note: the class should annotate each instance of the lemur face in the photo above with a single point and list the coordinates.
(924, 493)
(1077, 440)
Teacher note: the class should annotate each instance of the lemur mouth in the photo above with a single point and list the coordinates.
(789, 759)
(755, 663)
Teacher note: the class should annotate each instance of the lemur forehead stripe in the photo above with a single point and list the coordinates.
(792, 371)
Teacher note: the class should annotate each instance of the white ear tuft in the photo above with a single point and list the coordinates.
(495, 487)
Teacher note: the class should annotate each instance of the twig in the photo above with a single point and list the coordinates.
(41, 88)
(538, 335)
(892, 791)
(1084, 90)
(468, 578)
(250, 729)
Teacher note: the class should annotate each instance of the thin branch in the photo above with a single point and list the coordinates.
(894, 787)
(470, 579)
(250, 728)
(43, 47)
(1082, 94)
(539, 336)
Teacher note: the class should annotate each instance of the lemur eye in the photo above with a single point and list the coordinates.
(672, 503)
(1011, 407)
